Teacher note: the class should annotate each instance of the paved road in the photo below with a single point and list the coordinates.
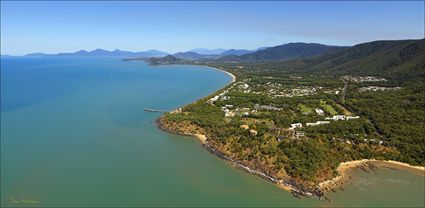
(344, 90)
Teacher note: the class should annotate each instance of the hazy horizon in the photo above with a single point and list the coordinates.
(54, 27)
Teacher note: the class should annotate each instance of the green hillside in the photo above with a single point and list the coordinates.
(400, 60)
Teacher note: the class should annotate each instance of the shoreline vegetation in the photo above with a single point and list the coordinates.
(289, 184)
(298, 189)
(297, 122)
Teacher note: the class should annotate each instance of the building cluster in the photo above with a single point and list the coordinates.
(243, 86)
(332, 91)
(333, 118)
(317, 123)
(295, 92)
(221, 96)
(215, 98)
(376, 88)
(359, 79)
(228, 112)
(270, 107)
(276, 90)
(342, 117)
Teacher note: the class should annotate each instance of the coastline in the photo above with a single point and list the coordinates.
(200, 136)
(344, 167)
(289, 184)
(228, 73)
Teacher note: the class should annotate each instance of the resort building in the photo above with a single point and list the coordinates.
(296, 125)
(253, 132)
(352, 117)
(336, 117)
(319, 112)
(246, 127)
(317, 123)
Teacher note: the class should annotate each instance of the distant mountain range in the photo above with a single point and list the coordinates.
(398, 59)
(205, 51)
(236, 52)
(194, 54)
(383, 54)
(276, 53)
(283, 52)
(102, 52)
(223, 52)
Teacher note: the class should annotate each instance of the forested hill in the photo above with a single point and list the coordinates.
(254, 120)
(399, 60)
(287, 52)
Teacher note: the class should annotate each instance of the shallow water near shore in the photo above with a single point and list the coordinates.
(74, 133)
(381, 187)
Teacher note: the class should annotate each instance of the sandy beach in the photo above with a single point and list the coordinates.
(230, 74)
(345, 166)
(285, 187)
(201, 138)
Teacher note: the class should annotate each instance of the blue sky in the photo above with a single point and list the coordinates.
(68, 26)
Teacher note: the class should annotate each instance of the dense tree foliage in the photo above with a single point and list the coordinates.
(391, 124)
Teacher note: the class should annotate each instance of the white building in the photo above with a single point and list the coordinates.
(342, 117)
(244, 86)
(318, 123)
(229, 114)
(337, 117)
(323, 122)
(319, 111)
(352, 117)
(253, 132)
(296, 125)
(215, 98)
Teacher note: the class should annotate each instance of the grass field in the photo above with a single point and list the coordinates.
(328, 108)
(344, 110)
(304, 109)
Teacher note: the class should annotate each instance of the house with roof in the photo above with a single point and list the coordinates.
(296, 125)
(319, 112)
